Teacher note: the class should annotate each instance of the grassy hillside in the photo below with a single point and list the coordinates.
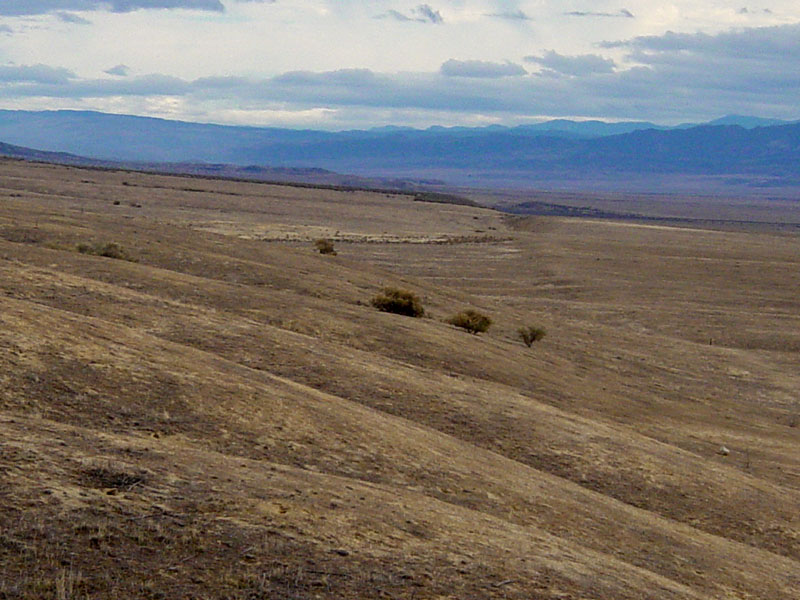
(224, 415)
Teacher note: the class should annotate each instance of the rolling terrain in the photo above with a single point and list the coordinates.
(219, 412)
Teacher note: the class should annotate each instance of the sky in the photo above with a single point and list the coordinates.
(327, 64)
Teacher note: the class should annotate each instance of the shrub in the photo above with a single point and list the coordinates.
(108, 476)
(399, 302)
(471, 320)
(530, 334)
(325, 246)
(109, 250)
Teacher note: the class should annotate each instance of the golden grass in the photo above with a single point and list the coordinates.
(230, 418)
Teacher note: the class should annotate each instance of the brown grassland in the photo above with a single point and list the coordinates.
(218, 412)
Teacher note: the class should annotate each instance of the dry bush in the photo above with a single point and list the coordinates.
(113, 476)
(531, 334)
(399, 302)
(473, 321)
(109, 250)
(325, 246)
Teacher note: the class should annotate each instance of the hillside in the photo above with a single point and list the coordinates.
(226, 416)
(300, 176)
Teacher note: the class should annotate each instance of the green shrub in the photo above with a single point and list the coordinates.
(399, 302)
(109, 250)
(471, 320)
(530, 334)
(325, 246)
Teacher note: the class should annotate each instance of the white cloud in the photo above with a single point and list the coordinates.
(333, 58)
(119, 71)
(38, 7)
(480, 69)
(512, 15)
(623, 13)
(425, 12)
(420, 14)
(67, 17)
(40, 74)
(582, 65)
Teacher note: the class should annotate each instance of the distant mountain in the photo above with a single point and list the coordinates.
(748, 122)
(125, 137)
(707, 149)
(587, 129)
(300, 176)
(12, 151)
(131, 138)
(710, 150)
(749, 150)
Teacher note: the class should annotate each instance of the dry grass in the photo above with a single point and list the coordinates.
(228, 418)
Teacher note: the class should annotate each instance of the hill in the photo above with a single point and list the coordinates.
(742, 155)
(219, 412)
(311, 177)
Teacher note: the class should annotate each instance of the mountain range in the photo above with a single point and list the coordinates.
(749, 152)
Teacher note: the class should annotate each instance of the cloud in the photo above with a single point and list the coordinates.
(511, 15)
(745, 46)
(147, 85)
(67, 17)
(394, 14)
(354, 78)
(751, 11)
(6, 29)
(480, 69)
(425, 12)
(40, 7)
(669, 78)
(577, 66)
(421, 14)
(222, 82)
(119, 71)
(623, 12)
(35, 74)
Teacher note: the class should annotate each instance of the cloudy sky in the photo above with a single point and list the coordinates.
(343, 64)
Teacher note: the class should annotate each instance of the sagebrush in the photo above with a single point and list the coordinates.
(325, 246)
(109, 250)
(471, 320)
(531, 334)
(398, 301)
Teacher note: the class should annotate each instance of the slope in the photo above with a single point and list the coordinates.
(228, 417)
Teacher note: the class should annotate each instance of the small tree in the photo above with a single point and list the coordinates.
(398, 301)
(531, 334)
(325, 246)
(471, 320)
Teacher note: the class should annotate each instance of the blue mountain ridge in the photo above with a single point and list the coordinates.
(735, 145)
